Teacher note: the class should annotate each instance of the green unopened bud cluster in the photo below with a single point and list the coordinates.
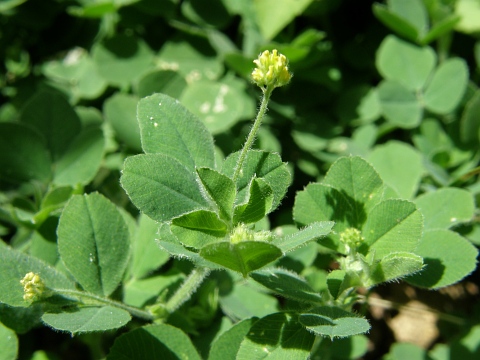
(352, 237)
(243, 233)
(272, 70)
(33, 287)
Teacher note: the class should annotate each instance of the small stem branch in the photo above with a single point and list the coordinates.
(189, 286)
(253, 132)
(387, 304)
(98, 300)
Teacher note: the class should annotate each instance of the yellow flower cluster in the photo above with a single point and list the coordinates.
(243, 233)
(33, 287)
(272, 70)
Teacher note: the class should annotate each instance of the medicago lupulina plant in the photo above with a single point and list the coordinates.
(210, 213)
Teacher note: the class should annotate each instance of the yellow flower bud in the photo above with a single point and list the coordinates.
(272, 70)
(243, 233)
(33, 287)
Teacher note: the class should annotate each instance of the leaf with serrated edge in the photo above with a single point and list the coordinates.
(258, 205)
(260, 164)
(227, 344)
(169, 242)
(393, 226)
(88, 319)
(358, 181)
(160, 340)
(276, 336)
(448, 258)
(243, 257)
(311, 232)
(333, 322)
(161, 187)
(168, 128)
(394, 266)
(446, 207)
(221, 189)
(287, 284)
(93, 242)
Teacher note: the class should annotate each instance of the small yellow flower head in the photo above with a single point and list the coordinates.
(352, 237)
(243, 233)
(33, 287)
(272, 70)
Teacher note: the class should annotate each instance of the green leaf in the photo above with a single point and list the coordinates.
(400, 351)
(216, 103)
(161, 187)
(120, 111)
(395, 22)
(221, 190)
(14, 265)
(21, 319)
(88, 319)
(337, 282)
(448, 84)
(141, 292)
(358, 181)
(260, 164)
(54, 118)
(393, 226)
(8, 343)
(167, 82)
(448, 257)
(399, 105)
(469, 124)
(226, 346)
(153, 342)
(23, 154)
(394, 266)
(169, 242)
(146, 255)
(243, 257)
(276, 336)
(333, 322)
(215, 15)
(168, 128)
(121, 59)
(245, 299)
(441, 28)
(192, 57)
(468, 11)
(273, 15)
(353, 347)
(79, 75)
(259, 203)
(318, 202)
(93, 242)
(446, 207)
(399, 165)
(312, 232)
(81, 160)
(287, 284)
(413, 11)
(405, 63)
(199, 228)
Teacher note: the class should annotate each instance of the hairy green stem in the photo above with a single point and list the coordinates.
(98, 300)
(253, 132)
(189, 286)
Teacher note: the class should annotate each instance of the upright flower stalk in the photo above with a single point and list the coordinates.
(271, 72)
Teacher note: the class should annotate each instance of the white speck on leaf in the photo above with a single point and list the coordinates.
(155, 124)
(453, 219)
(205, 107)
